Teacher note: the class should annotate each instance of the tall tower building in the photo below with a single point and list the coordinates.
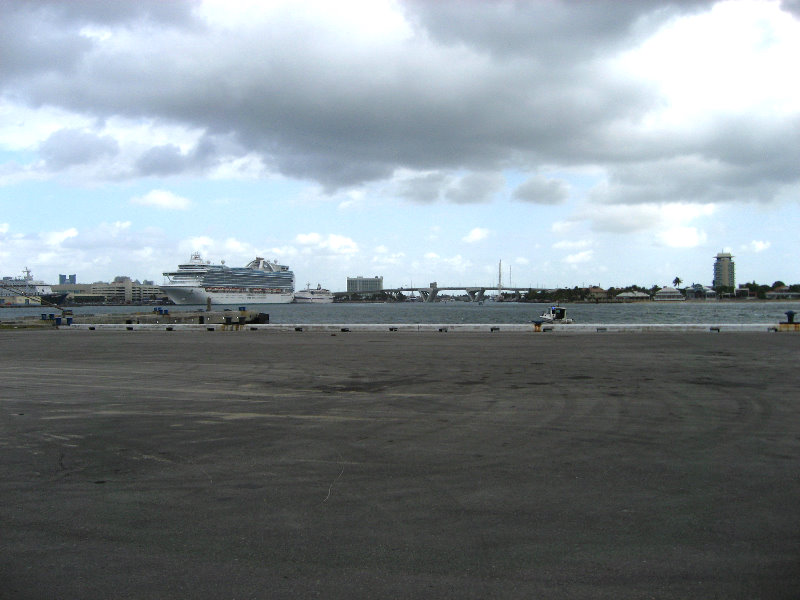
(724, 271)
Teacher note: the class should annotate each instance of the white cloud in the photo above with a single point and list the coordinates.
(683, 237)
(562, 226)
(341, 244)
(230, 250)
(236, 246)
(757, 246)
(396, 258)
(631, 218)
(24, 128)
(56, 238)
(433, 234)
(282, 251)
(202, 244)
(476, 235)
(679, 212)
(457, 263)
(145, 254)
(249, 166)
(4, 227)
(306, 239)
(162, 199)
(352, 199)
(337, 244)
(731, 58)
(571, 244)
(114, 229)
(580, 257)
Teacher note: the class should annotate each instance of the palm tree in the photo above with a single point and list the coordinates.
(677, 281)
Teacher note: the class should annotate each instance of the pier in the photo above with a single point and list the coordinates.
(254, 321)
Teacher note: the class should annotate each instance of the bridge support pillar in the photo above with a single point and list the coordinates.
(476, 294)
(430, 294)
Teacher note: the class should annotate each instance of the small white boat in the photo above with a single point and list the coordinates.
(555, 314)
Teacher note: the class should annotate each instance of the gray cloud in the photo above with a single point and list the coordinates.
(564, 32)
(162, 160)
(791, 6)
(476, 86)
(475, 188)
(169, 159)
(423, 189)
(43, 36)
(114, 13)
(739, 160)
(540, 190)
(69, 147)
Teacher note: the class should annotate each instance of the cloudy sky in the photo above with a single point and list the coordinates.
(597, 142)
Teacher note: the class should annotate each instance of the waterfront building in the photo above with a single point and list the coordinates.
(632, 297)
(67, 279)
(782, 293)
(365, 284)
(724, 271)
(698, 291)
(117, 292)
(597, 293)
(668, 294)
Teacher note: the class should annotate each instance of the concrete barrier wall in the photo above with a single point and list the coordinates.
(436, 328)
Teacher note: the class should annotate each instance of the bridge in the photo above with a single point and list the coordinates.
(430, 293)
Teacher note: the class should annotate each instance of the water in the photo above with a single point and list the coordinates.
(746, 311)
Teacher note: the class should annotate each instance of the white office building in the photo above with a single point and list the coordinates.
(364, 284)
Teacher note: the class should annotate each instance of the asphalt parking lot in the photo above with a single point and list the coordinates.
(393, 465)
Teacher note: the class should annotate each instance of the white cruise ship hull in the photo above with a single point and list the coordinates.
(313, 299)
(199, 295)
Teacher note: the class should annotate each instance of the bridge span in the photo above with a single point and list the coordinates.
(430, 293)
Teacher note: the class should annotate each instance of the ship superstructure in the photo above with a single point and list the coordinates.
(27, 290)
(261, 281)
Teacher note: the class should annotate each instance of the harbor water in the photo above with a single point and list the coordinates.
(718, 312)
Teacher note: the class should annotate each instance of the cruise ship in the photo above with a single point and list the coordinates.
(259, 282)
(313, 296)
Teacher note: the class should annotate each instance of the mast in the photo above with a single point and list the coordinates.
(500, 280)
